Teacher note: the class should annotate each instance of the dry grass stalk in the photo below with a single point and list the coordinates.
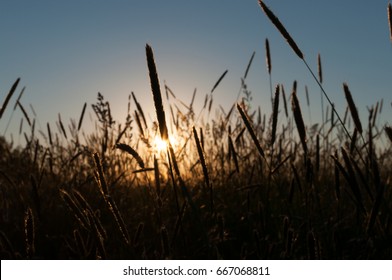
(100, 178)
(249, 64)
(319, 69)
(307, 96)
(210, 104)
(82, 116)
(173, 116)
(7, 246)
(252, 133)
(139, 124)
(376, 113)
(352, 179)
(98, 238)
(204, 166)
(32, 110)
(8, 97)
(295, 48)
(193, 99)
(156, 92)
(49, 134)
(80, 244)
(24, 113)
(370, 143)
(375, 209)
(353, 141)
(332, 116)
(275, 116)
(178, 224)
(138, 233)
(205, 101)
(299, 120)
(361, 176)
(281, 29)
(308, 103)
(36, 197)
(318, 152)
(219, 80)
(320, 76)
(122, 132)
(62, 127)
(139, 109)
(75, 208)
(353, 109)
(234, 154)
(201, 137)
(337, 177)
(132, 152)
(285, 102)
(89, 213)
(239, 136)
(29, 228)
(280, 164)
(201, 157)
(19, 97)
(388, 131)
(345, 114)
(296, 176)
(268, 56)
(156, 175)
(168, 90)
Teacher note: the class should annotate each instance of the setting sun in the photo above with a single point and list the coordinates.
(161, 145)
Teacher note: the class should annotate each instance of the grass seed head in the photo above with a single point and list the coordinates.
(319, 68)
(353, 109)
(281, 29)
(268, 56)
(8, 97)
(156, 92)
(299, 120)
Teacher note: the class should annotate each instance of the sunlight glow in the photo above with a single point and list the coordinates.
(161, 145)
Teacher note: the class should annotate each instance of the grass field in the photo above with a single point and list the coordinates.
(201, 185)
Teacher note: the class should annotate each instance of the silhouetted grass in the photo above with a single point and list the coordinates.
(117, 194)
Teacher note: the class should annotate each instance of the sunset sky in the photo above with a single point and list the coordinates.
(67, 51)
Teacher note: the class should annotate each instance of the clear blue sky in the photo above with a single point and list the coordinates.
(67, 51)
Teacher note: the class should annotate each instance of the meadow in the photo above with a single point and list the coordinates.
(205, 184)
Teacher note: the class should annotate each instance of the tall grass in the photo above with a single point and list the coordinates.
(231, 186)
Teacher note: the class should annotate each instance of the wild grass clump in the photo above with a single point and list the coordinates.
(231, 186)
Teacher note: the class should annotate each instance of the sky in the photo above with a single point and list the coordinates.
(65, 52)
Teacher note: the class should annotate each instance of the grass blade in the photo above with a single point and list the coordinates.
(248, 125)
(132, 152)
(81, 116)
(353, 109)
(220, 79)
(8, 97)
(299, 120)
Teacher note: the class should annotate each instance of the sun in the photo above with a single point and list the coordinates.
(161, 145)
